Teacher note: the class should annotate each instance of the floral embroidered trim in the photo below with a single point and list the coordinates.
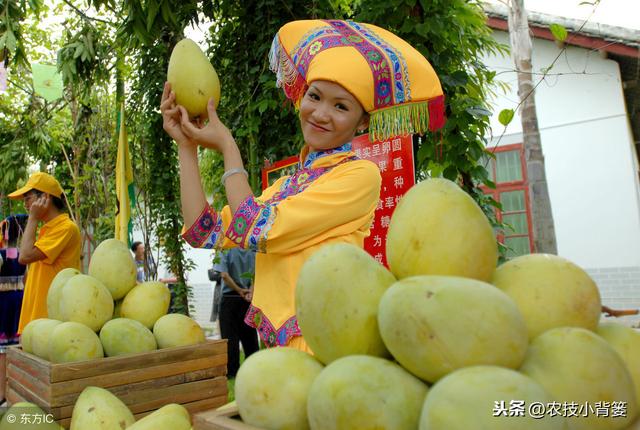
(250, 224)
(205, 231)
(269, 335)
(313, 156)
(402, 85)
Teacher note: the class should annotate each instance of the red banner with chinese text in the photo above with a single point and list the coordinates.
(394, 158)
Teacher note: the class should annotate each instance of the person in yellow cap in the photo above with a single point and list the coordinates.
(344, 77)
(56, 247)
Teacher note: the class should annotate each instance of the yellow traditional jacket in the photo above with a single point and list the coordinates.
(330, 198)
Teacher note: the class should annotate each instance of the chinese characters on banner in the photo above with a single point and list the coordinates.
(394, 158)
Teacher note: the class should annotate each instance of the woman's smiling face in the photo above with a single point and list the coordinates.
(330, 116)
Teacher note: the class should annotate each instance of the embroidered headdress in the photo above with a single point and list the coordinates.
(394, 83)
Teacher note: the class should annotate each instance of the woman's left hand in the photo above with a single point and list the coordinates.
(214, 134)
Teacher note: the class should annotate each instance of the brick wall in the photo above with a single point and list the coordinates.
(619, 289)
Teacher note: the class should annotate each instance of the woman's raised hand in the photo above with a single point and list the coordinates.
(171, 115)
(214, 134)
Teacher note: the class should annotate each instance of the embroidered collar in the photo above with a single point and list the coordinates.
(310, 157)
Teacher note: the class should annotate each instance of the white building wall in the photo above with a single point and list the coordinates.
(590, 161)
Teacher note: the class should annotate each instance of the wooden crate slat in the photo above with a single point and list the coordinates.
(32, 364)
(84, 369)
(137, 375)
(153, 398)
(17, 376)
(225, 418)
(183, 394)
(121, 390)
(25, 393)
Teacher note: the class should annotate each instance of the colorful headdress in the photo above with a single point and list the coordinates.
(394, 83)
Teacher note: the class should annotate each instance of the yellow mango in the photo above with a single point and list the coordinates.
(438, 229)
(575, 365)
(483, 397)
(36, 418)
(626, 341)
(41, 336)
(177, 330)
(72, 341)
(192, 77)
(114, 266)
(55, 291)
(272, 386)
(337, 297)
(168, 417)
(86, 300)
(122, 336)
(146, 302)
(434, 325)
(550, 291)
(98, 409)
(364, 392)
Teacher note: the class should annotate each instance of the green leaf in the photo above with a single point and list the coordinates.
(558, 31)
(505, 116)
(152, 11)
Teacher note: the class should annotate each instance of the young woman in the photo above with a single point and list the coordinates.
(344, 77)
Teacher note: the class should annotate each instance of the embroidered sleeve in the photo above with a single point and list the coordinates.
(251, 223)
(206, 231)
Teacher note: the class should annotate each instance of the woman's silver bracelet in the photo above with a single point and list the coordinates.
(233, 172)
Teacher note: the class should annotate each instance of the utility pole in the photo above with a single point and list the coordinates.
(544, 237)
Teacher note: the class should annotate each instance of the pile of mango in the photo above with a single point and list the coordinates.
(445, 339)
(97, 409)
(106, 313)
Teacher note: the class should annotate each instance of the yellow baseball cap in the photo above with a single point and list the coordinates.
(39, 181)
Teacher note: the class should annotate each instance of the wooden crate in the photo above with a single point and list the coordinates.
(225, 418)
(194, 376)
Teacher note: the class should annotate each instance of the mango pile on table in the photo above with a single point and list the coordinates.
(444, 340)
(105, 313)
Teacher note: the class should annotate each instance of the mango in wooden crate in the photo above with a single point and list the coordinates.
(122, 336)
(55, 291)
(146, 302)
(86, 300)
(177, 330)
(113, 264)
(98, 409)
(169, 417)
(72, 341)
(36, 418)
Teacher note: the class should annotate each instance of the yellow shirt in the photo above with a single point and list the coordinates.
(59, 240)
(331, 198)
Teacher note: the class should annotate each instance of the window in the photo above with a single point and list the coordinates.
(507, 170)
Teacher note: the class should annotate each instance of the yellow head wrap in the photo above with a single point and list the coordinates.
(394, 83)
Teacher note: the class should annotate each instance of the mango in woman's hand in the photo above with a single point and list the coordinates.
(192, 77)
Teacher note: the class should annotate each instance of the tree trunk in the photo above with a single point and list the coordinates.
(544, 238)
